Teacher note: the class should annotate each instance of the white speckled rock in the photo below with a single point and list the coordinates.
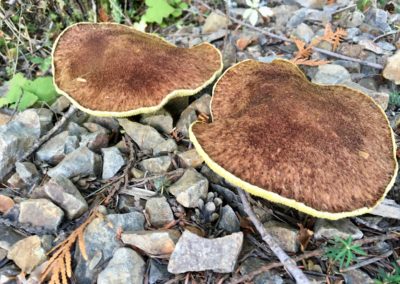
(194, 253)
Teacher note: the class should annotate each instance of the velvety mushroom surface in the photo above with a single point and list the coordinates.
(324, 150)
(112, 69)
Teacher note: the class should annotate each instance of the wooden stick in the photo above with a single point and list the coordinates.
(287, 262)
(248, 277)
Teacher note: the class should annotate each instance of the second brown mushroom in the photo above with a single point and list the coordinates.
(328, 151)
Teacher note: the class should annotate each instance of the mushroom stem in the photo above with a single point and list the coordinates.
(288, 263)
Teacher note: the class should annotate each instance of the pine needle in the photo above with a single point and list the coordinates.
(334, 37)
(308, 62)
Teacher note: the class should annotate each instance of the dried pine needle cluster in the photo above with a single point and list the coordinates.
(60, 265)
(304, 51)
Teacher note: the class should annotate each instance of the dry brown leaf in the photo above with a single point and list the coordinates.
(103, 17)
(304, 236)
(243, 42)
(6, 203)
(246, 224)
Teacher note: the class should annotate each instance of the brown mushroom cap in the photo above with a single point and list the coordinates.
(110, 69)
(325, 150)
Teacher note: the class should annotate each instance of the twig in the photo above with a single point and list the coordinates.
(368, 261)
(385, 35)
(344, 9)
(315, 253)
(125, 179)
(50, 133)
(287, 262)
(283, 38)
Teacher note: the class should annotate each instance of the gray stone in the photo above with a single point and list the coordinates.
(60, 105)
(168, 146)
(388, 208)
(188, 116)
(126, 267)
(331, 74)
(158, 272)
(101, 242)
(110, 123)
(16, 139)
(93, 127)
(112, 161)
(27, 172)
(344, 228)
(75, 129)
(191, 187)
(71, 144)
(357, 276)
(159, 212)
(283, 13)
(38, 120)
(194, 253)
(81, 162)
(253, 263)
(355, 19)
(146, 137)
(3, 254)
(28, 253)
(54, 150)
(210, 175)
(160, 120)
(8, 237)
(95, 141)
(155, 243)
(379, 19)
(229, 221)
(157, 165)
(284, 235)
(392, 68)
(215, 22)
(380, 98)
(386, 46)
(190, 159)
(314, 4)
(304, 32)
(40, 213)
(63, 192)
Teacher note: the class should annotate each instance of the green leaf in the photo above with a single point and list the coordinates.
(363, 4)
(43, 63)
(28, 99)
(16, 84)
(116, 11)
(157, 10)
(43, 88)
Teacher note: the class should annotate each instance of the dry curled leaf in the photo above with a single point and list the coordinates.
(304, 236)
(244, 42)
